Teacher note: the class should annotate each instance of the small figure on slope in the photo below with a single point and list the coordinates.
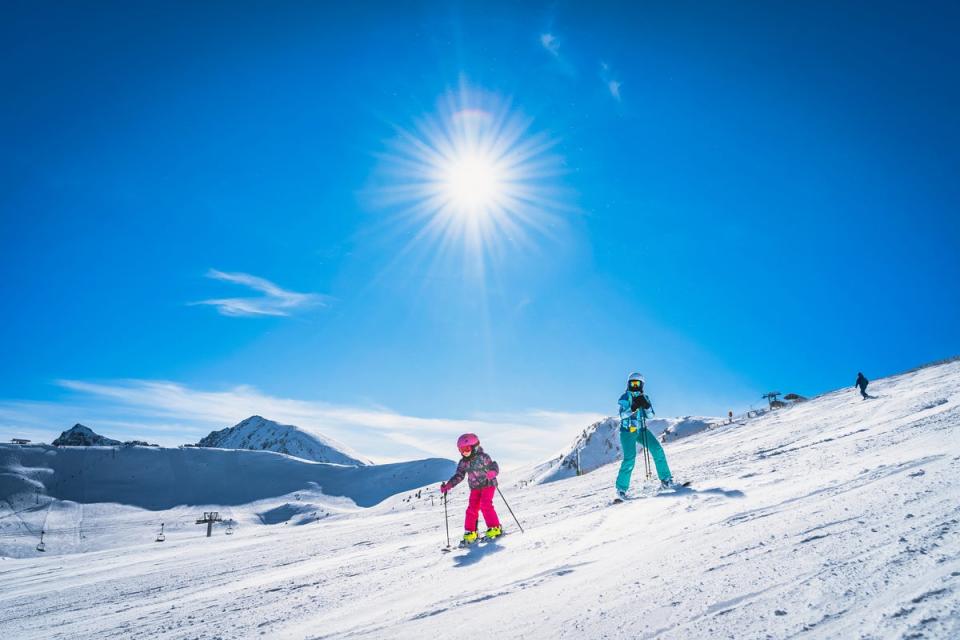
(634, 404)
(481, 473)
(862, 382)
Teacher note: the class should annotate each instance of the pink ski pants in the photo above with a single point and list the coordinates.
(481, 500)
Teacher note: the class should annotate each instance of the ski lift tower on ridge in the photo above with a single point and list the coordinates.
(209, 517)
(771, 398)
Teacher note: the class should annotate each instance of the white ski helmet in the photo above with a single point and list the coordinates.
(636, 376)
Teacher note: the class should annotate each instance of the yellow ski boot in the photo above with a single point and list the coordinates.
(493, 532)
(469, 537)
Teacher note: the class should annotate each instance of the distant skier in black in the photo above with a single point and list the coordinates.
(862, 383)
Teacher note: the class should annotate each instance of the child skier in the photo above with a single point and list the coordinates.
(481, 472)
(634, 404)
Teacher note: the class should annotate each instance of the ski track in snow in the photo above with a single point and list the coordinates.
(837, 518)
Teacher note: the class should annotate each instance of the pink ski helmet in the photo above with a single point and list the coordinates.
(467, 442)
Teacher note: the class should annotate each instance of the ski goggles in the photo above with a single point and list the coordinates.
(635, 385)
(466, 450)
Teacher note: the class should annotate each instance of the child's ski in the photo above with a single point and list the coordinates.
(462, 545)
(466, 545)
(486, 540)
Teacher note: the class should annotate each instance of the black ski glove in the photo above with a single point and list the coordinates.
(639, 402)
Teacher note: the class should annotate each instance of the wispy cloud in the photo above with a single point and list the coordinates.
(275, 301)
(551, 43)
(614, 87)
(609, 79)
(170, 414)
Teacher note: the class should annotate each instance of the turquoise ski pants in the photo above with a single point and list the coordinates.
(628, 442)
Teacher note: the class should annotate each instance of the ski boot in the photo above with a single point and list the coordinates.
(469, 537)
(621, 496)
(493, 533)
(673, 484)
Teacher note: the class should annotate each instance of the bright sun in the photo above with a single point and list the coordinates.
(474, 174)
(473, 183)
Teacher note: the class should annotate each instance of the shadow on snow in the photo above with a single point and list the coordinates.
(475, 553)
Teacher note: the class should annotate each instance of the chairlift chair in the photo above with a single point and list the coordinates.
(160, 536)
(42, 546)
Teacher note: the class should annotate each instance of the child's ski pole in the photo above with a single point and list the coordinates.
(446, 519)
(509, 509)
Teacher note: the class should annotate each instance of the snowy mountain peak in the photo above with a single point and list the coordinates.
(599, 445)
(81, 436)
(260, 434)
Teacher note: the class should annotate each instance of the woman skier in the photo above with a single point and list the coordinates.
(634, 404)
(481, 472)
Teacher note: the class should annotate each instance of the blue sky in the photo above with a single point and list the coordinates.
(197, 218)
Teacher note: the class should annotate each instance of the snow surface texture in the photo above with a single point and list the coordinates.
(260, 434)
(835, 518)
(599, 445)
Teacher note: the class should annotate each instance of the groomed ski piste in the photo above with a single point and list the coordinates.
(835, 518)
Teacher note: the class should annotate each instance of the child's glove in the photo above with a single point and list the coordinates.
(491, 474)
(443, 487)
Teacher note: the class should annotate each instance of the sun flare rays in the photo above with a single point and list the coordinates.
(473, 179)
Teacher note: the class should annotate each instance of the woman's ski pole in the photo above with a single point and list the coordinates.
(509, 509)
(646, 456)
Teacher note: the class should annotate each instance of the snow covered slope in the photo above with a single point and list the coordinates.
(599, 445)
(836, 518)
(57, 490)
(687, 426)
(259, 434)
